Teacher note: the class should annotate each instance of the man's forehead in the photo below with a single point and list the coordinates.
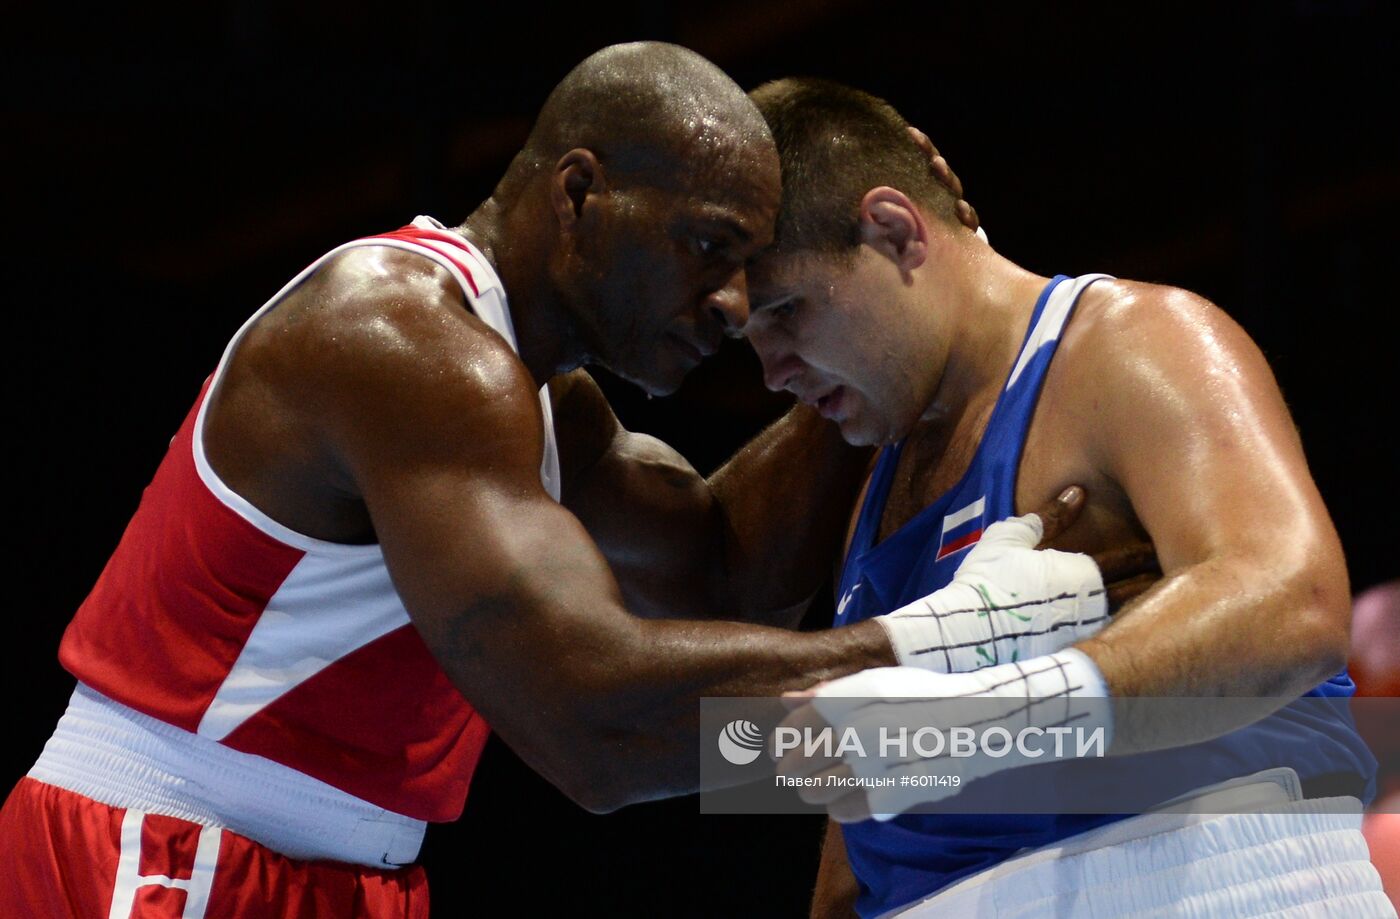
(731, 169)
(775, 276)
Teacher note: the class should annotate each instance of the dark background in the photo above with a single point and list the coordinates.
(168, 169)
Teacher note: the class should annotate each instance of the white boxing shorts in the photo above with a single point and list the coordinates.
(1290, 858)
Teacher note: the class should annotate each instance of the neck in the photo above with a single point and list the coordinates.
(988, 300)
(511, 241)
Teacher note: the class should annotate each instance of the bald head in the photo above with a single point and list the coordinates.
(648, 111)
(625, 224)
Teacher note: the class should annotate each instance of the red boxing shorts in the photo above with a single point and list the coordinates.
(64, 856)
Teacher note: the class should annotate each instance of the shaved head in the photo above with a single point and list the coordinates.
(647, 110)
(646, 185)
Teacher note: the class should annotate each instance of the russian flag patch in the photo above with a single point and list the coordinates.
(961, 529)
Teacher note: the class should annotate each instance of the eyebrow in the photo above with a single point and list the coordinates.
(729, 224)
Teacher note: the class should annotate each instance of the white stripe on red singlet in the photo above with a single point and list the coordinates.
(339, 597)
(328, 607)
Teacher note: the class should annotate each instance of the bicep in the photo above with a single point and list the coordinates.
(653, 517)
(503, 584)
(657, 522)
(515, 604)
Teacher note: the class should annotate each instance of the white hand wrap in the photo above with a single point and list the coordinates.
(1054, 688)
(1008, 601)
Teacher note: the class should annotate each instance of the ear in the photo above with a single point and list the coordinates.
(894, 227)
(577, 175)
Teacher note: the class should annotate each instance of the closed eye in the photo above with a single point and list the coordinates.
(785, 309)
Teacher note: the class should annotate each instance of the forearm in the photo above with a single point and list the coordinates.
(785, 500)
(604, 704)
(687, 660)
(1224, 628)
(643, 726)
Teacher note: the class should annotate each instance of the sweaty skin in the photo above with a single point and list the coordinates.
(682, 546)
(1156, 402)
(1253, 598)
(372, 406)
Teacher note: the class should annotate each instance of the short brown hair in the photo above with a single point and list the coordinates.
(836, 143)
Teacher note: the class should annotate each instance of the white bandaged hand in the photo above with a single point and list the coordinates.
(1019, 713)
(1008, 601)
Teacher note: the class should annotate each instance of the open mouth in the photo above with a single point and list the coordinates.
(829, 405)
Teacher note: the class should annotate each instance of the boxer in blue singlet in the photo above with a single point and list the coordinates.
(877, 307)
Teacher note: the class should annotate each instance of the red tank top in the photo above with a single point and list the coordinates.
(214, 618)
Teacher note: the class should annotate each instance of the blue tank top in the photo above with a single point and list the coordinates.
(906, 859)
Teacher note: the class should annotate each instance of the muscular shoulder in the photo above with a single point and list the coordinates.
(1116, 317)
(1139, 359)
(400, 319)
(1130, 339)
(382, 340)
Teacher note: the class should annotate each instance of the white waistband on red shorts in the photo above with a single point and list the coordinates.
(110, 753)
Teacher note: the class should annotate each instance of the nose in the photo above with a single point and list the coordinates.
(780, 365)
(729, 305)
